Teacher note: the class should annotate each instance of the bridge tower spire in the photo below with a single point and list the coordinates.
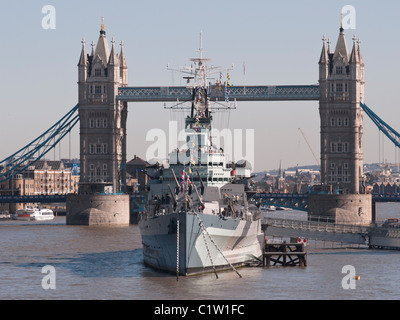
(341, 78)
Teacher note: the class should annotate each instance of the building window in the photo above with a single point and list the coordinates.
(98, 172)
(339, 122)
(91, 167)
(97, 72)
(98, 123)
(339, 87)
(346, 122)
(339, 70)
(105, 166)
(105, 148)
(333, 122)
(91, 123)
(339, 147)
(333, 166)
(98, 148)
(346, 87)
(97, 89)
(346, 165)
(345, 147)
(105, 123)
(333, 147)
(91, 148)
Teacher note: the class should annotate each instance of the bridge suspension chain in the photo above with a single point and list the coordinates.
(387, 130)
(38, 148)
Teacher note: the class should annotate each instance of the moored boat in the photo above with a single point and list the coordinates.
(206, 221)
(33, 213)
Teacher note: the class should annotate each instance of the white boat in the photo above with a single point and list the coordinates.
(33, 213)
(5, 215)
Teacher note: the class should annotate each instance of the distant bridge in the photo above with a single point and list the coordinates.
(286, 200)
(137, 201)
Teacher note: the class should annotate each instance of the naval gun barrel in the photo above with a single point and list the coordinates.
(198, 196)
(172, 195)
(176, 180)
(201, 181)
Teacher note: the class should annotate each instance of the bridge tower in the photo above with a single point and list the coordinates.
(102, 138)
(341, 79)
(102, 117)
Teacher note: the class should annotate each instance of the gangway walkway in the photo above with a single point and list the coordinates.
(316, 230)
(376, 235)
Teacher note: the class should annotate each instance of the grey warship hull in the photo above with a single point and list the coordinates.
(222, 243)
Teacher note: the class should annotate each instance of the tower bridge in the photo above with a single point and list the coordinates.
(103, 109)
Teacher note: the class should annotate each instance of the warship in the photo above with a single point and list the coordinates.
(200, 217)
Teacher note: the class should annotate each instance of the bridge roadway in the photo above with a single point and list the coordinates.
(49, 198)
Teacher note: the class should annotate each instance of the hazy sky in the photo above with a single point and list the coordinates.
(279, 41)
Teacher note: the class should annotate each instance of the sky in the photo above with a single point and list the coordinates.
(280, 43)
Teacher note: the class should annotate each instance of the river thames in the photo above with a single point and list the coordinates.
(106, 263)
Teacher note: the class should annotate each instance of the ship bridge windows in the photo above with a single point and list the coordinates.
(216, 164)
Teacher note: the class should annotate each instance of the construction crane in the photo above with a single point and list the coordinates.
(316, 159)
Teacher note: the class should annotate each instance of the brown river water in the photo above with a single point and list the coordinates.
(106, 263)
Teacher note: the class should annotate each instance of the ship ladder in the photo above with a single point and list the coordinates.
(203, 228)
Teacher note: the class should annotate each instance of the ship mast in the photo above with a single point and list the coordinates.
(198, 123)
(199, 72)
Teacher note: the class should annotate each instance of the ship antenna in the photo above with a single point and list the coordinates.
(201, 45)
